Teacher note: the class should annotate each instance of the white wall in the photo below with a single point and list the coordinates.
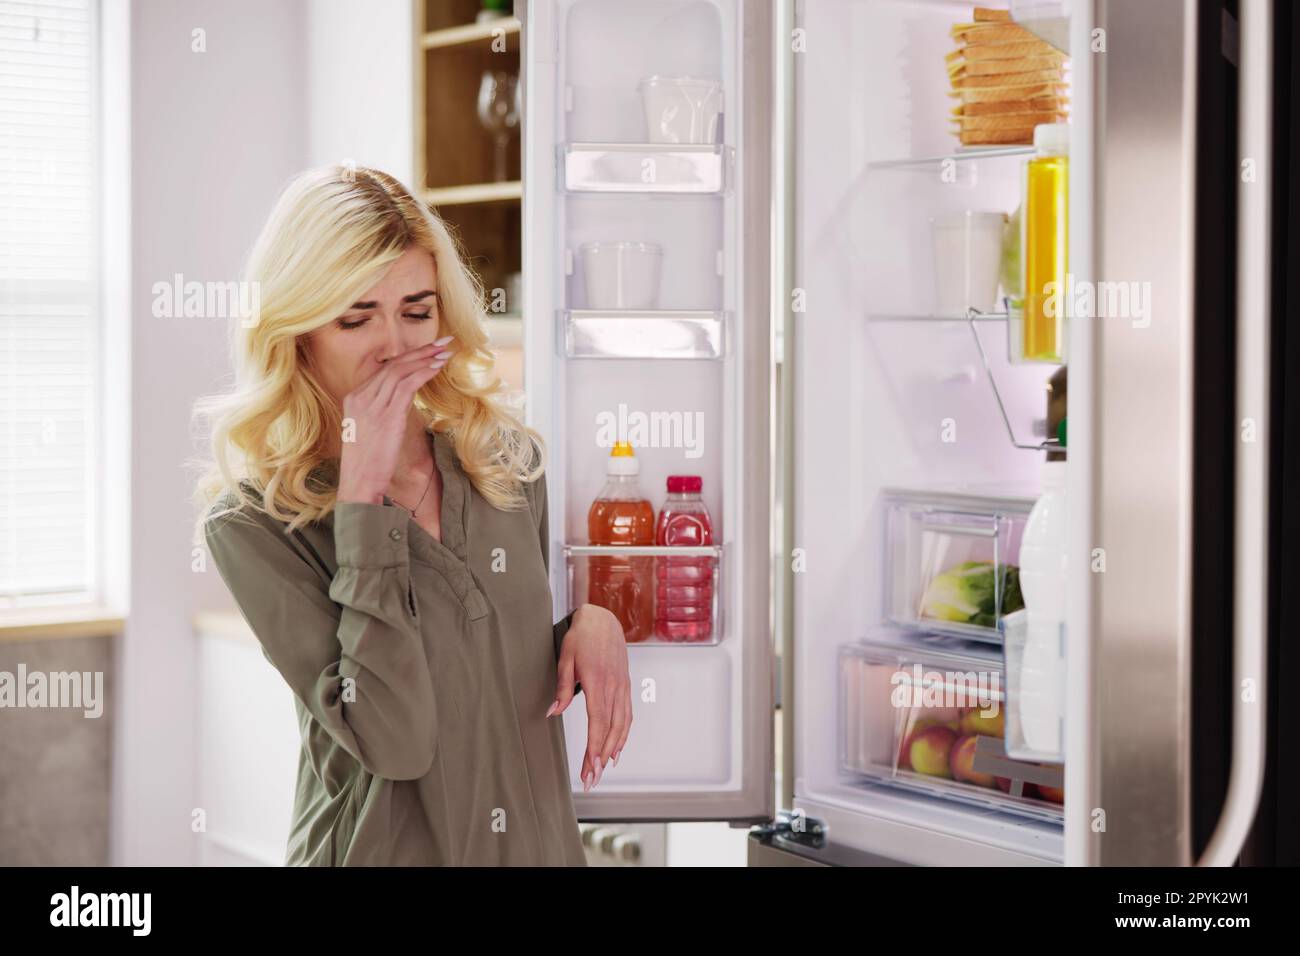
(215, 135)
(360, 94)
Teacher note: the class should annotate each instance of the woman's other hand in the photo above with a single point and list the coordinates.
(594, 653)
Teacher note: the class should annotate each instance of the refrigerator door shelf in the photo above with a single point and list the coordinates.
(665, 334)
(694, 580)
(901, 706)
(645, 168)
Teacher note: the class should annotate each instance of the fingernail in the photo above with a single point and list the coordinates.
(586, 781)
(444, 340)
(554, 704)
(599, 771)
(437, 364)
(616, 753)
(446, 355)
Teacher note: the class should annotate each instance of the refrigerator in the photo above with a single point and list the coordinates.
(729, 213)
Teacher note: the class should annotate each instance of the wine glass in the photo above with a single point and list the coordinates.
(498, 111)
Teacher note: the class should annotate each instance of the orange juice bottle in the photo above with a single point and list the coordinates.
(1044, 249)
(620, 516)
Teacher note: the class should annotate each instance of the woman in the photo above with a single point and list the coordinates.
(383, 529)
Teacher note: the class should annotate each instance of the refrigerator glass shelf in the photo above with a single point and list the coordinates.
(954, 317)
(636, 579)
(643, 168)
(619, 334)
(957, 155)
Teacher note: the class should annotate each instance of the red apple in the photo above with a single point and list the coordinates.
(918, 720)
(962, 763)
(973, 721)
(930, 749)
(949, 717)
(1052, 794)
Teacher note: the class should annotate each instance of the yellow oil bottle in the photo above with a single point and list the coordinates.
(1044, 245)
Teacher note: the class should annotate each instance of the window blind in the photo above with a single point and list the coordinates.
(49, 301)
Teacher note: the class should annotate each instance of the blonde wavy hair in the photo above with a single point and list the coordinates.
(332, 234)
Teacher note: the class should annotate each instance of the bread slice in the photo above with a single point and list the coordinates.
(1040, 104)
(1003, 94)
(1008, 121)
(998, 137)
(1024, 78)
(1029, 64)
(991, 33)
(989, 14)
(1010, 50)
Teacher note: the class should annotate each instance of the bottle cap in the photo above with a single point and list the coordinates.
(622, 460)
(685, 484)
(1052, 139)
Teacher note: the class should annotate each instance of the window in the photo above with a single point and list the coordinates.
(50, 303)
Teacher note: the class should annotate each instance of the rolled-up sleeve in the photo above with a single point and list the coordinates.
(352, 653)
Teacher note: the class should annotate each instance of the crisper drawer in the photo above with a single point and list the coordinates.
(952, 562)
(922, 717)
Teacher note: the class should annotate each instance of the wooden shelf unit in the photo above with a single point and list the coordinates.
(454, 154)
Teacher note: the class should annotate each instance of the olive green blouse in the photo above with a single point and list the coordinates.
(421, 670)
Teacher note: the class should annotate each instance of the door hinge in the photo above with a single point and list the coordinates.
(794, 825)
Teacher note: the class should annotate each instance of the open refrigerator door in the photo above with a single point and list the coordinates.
(646, 286)
(926, 399)
(920, 431)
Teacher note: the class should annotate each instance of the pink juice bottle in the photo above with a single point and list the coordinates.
(684, 586)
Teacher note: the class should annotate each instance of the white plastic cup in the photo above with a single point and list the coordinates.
(967, 261)
(681, 109)
(622, 274)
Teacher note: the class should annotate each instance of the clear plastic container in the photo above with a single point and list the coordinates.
(967, 260)
(951, 562)
(622, 274)
(931, 719)
(682, 109)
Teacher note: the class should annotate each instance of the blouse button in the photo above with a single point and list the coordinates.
(395, 534)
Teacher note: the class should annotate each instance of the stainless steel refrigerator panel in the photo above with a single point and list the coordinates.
(1139, 388)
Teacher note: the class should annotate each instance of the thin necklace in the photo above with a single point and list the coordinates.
(427, 486)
